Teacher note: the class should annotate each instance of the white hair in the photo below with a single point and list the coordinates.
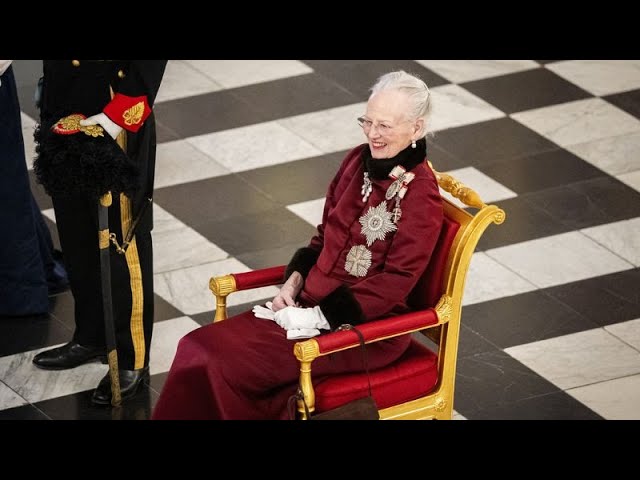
(415, 89)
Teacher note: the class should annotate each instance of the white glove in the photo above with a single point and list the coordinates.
(113, 129)
(287, 295)
(261, 312)
(302, 333)
(294, 318)
(4, 65)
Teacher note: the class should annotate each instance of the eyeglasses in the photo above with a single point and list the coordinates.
(383, 128)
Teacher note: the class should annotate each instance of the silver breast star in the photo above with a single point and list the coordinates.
(376, 223)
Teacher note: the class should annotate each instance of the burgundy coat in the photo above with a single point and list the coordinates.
(396, 262)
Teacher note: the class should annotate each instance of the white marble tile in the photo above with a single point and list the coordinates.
(453, 106)
(614, 155)
(182, 248)
(489, 190)
(180, 162)
(580, 121)
(617, 399)
(459, 71)
(457, 416)
(181, 80)
(488, 280)
(310, 211)
(237, 73)
(50, 214)
(164, 343)
(254, 146)
(34, 384)
(622, 238)
(28, 127)
(600, 77)
(632, 179)
(628, 332)
(188, 289)
(329, 130)
(558, 259)
(9, 398)
(579, 359)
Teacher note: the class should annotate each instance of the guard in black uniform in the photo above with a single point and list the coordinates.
(114, 149)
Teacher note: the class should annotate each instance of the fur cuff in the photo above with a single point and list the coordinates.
(303, 260)
(81, 164)
(341, 306)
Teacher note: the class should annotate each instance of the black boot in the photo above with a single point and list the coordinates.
(131, 382)
(70, 355)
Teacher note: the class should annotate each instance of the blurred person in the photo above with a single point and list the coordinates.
(30, 268)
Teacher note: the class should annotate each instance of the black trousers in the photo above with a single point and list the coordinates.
(131, 277)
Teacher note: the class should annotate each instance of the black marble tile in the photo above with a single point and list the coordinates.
(62, 307)
(207, 113)
(165, 134)
(251, 233)
(470, 342)
(541, 171)
(627, 101)
(212, 199)
(589, 203)
(156, 382)
(21, 334)
(526, 90)
(604, 300)
(523, 221)
(294, 95)
(358, 78)
(553, 406)
(491, 141)
(78, 406)
(163, 310)
(442, 160)
(24, 412)
(524, 318)
(495, 379)
(203, 318)
(271, 257)
(297, 181)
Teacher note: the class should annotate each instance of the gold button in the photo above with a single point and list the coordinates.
(120, 74)
(75, 63)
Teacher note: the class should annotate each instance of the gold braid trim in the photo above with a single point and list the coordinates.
(135, 278)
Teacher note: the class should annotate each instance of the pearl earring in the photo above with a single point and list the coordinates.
(413, 144)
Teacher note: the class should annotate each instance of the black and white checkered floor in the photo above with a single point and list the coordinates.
(551, 322)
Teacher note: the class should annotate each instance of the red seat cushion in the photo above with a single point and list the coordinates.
(412, 376)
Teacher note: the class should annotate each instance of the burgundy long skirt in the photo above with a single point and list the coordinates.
(243, 368)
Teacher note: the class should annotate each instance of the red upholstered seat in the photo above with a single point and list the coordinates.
(411, 376)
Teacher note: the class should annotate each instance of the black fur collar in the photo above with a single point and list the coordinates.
(379, 168)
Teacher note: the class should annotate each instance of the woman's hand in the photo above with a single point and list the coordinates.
(289, 292)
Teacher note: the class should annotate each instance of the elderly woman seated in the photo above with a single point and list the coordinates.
(382, 217)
